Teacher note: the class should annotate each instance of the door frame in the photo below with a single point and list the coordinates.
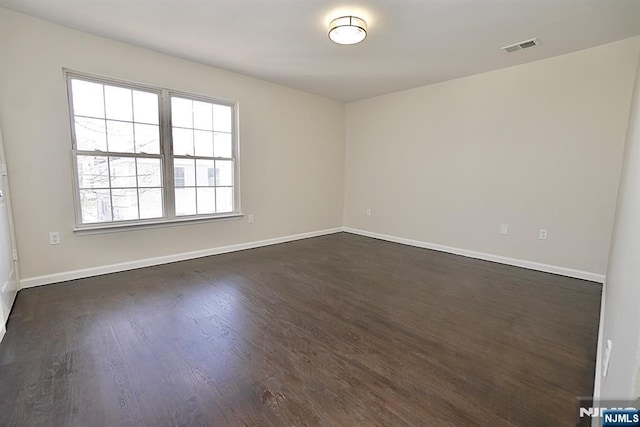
(16, 272)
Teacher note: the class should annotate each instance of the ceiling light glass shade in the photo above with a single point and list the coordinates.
(347, 30)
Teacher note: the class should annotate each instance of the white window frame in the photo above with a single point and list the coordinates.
(166, 155)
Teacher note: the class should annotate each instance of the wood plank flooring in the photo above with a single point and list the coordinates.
(339, 330)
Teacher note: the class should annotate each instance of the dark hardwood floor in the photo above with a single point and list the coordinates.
(338, 330)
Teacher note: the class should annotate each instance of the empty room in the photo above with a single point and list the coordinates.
(319, 213)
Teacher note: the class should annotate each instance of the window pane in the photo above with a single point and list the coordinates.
(211, 177)
(147, 139)
(202, 115)
(125, 204)
(182, 142)
(88, 98)
(182, 112)
(149, 172)
(118, 103)
(222, 144)
(145, 107)
(150, 203)
(120, 137)
(224, 172)
(123, 172)
(185, 201)
(90, 134)
(92, 172)
(95, 205)
(224, 199)
(178, 176)
(206, 200)
(222, 118)
(202, 172)
(184, 171)
(204, 143)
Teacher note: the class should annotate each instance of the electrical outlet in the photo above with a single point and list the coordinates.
(251, 219)
(368, 212)
(543, 234)
(504, 229)
(54, 238)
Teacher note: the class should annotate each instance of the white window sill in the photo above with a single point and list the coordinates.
(117, 227)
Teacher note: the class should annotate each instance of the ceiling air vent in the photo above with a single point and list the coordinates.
(521, 45)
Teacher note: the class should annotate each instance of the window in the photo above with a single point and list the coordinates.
(202, 140)
(144, 154)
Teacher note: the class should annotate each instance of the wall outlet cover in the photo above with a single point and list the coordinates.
(54, 238)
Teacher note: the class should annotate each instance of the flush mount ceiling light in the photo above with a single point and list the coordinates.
(347, 30)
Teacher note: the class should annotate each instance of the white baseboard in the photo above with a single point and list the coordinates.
(563, 271)
(30, 282)
(148, 262)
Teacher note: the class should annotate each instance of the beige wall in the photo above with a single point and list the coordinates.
(290, 141)
(621, 323)
(534, 146)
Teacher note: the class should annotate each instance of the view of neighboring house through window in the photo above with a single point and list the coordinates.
(128, 171)
(178, 179)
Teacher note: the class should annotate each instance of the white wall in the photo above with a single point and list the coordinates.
(622, 299)
(534, 146)
(290, 141)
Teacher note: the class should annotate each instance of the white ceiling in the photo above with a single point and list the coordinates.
(410, 43)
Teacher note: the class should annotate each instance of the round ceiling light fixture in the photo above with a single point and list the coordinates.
(347, 30)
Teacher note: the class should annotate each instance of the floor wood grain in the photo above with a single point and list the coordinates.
(338, 330)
